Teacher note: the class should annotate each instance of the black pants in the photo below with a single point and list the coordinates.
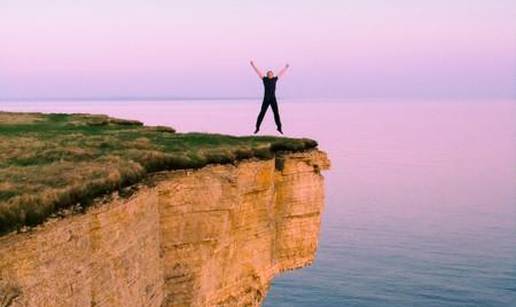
(265, 104)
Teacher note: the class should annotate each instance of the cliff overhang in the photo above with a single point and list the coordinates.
(55, 163)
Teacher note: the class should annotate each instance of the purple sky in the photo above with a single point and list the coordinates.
(158, 48)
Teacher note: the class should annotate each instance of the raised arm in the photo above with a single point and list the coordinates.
(283, 71)
(258, 72)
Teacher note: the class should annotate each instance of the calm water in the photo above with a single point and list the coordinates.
(421, 199)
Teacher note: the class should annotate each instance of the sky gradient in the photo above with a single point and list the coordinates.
(157, 48)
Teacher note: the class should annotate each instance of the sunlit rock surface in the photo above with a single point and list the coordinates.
(213, 236)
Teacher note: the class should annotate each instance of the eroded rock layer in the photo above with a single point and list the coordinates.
(214, 236)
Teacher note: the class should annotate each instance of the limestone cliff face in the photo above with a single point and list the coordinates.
(214, 236)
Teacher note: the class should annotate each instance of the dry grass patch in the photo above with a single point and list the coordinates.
(19, 118)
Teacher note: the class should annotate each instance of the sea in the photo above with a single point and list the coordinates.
(420, 200)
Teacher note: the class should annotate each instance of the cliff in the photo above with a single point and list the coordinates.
(206, 237)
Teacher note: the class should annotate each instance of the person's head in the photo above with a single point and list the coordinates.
(270, 74)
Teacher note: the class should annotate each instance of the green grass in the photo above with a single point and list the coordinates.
(50, 162)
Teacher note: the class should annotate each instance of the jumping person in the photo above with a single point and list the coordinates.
(269, 97)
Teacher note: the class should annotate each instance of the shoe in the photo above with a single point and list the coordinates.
(256, 131)
(280, 131)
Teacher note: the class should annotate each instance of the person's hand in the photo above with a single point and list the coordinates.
(287, 66)
(252, 63)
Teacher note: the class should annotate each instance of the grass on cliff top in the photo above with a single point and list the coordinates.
(50, 162)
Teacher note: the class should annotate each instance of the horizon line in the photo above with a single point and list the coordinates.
(166, 98)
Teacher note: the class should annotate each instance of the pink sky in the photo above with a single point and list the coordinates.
(155, 48)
